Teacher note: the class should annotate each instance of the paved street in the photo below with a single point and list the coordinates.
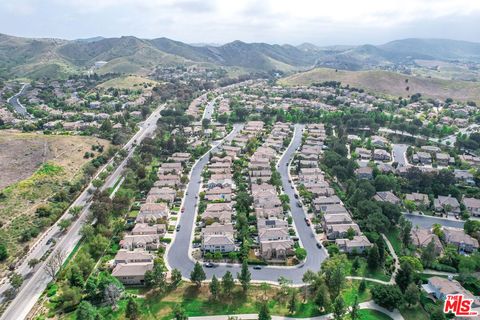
(37, 281)
(399, 155)
(424, 221)
(178, 253)
(15, 102)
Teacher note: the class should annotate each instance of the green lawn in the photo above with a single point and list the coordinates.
(369, 314)
(199, 303)
(394, 239)
(364, 271)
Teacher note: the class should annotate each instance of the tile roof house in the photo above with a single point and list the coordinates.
(217, 228)
(357, 245)
(422, 237)
(440, 287)
(132, 273)
(459, 238)
(420, 199)
(145, 228)
(152, 212)
(448, 205)
(386, 196)
(381, 155)
(147, 242)
(364, 173)
(472, 205)
(339, 231)
(136, 256)
(218, 243)
(219, 194)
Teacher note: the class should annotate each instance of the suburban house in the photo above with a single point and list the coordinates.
(147, 241)
(152, 212)
(145, 228)
(132, 273)
(381, 155)
(363, 153)
(136, 256)
(386, 196)
(472, 205)
(364, 173)
(420, 199)
(340, 231)
(379, 141)
(447, 205)
(440, 287)
(464, 176)
(422, 238)
(218, 242)
(459, 238)
(357, 245)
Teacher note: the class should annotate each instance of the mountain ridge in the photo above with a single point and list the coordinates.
(26, 56)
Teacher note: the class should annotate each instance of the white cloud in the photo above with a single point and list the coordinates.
(249, 20)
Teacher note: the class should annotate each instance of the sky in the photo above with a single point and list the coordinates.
(321, 22)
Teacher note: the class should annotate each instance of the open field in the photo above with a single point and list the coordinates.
(34, 167)
(127, 82)
(391, 83)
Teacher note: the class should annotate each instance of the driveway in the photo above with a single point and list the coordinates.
(178, 253)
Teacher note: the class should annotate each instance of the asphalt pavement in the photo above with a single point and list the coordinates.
(17, 105)
(178, 254)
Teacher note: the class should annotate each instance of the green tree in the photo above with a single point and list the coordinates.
(176, 277)
(373, 258)
(354, 309)
(244, 276)
(362, 286)
(197, 275)
(355, 265)
(292, 304)
(156, 277)
(179, 313)
(338, 308)
(334, 270)
(16, 280)
(412, 295)
(227, 283)
(86, 311)
(300, 253)
(429, 254)
(214, 287)
(33, 262)
(404, 275)
(389, 297)
(132, 311)
(322, 297)
(264, 313)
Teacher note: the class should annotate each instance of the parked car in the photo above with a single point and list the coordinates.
(319, 245)
(178, 227)
(299, 204)
(257, 267)
(307, 221)
(209, 265)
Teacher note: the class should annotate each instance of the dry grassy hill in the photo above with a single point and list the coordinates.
(390, 83)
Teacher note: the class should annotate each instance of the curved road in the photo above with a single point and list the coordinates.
(178, 253)
(17, 105)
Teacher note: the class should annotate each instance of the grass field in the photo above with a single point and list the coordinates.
(368, 314)
(199, 303)
(391, 83)
(34, 167)
(127, 82)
